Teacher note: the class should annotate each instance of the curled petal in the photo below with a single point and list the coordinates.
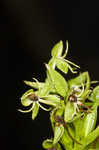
(25, 111)
(45, 108)
(71, 63)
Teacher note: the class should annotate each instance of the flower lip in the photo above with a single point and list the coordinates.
(33, 97)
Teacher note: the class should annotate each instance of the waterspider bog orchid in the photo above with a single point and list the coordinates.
(72, 104)
(34, 99)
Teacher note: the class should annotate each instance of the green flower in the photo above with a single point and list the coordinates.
(31, 98)
(58, 60)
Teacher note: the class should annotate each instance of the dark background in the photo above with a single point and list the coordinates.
(28, 31)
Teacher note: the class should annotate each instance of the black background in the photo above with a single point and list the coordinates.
(28, 31)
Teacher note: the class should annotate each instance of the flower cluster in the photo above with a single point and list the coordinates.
(72, 104)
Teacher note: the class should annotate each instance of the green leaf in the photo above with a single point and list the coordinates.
(82, 78)
(57, 49)
(66, 141)
(47, 144)
(58, 82)
(95, 94)
(91, 136)
(35, 110)
(70, 111)
(79, 135)
(62, 65)
(25, 100)
(89, 122)
(58, 132)
(49, 83)
(78, 124)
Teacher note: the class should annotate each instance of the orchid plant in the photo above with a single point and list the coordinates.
(72, 104)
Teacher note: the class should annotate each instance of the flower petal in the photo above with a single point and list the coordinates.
(57, 49)
(35, 110)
